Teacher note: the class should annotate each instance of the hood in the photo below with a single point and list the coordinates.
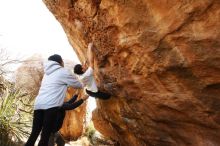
(51, 66)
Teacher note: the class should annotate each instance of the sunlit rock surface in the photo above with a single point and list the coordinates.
(161, 62)
(74, 119)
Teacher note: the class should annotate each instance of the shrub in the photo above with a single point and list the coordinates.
(15, 116)
(90, 131)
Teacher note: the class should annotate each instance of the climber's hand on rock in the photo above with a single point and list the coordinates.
(90, 46)
(90, 56)
(85, 64)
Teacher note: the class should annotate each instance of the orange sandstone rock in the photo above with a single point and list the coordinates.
(74, 119)
(161, 62)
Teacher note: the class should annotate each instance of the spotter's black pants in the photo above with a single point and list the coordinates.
(42, 122)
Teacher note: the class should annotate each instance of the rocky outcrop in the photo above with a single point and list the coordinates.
(161, 62)
(73, 123)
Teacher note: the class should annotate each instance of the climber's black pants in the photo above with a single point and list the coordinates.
(99, 94)
(42, 122)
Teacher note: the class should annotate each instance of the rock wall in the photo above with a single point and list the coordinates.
(161, 62)
(73, 123)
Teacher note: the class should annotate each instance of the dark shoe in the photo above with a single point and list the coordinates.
(59, 139)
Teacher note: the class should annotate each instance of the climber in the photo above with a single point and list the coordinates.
(69, 105)
(85, 74)
(50, 98)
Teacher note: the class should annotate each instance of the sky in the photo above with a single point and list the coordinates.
(27, 27)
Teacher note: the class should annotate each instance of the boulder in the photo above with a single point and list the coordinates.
(160, 60)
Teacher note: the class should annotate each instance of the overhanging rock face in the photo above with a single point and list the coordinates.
(161, 62)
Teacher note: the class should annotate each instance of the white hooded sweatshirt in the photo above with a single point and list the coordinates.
(54, 86)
